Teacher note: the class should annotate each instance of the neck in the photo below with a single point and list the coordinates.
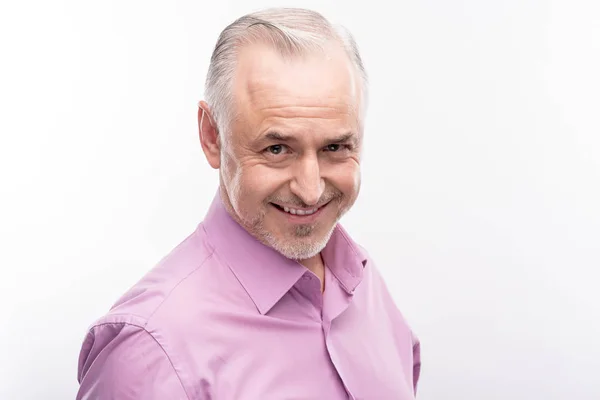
(316, 265)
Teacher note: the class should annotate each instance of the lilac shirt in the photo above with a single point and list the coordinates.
(224, 317)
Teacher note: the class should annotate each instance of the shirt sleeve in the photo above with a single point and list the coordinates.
(125, 362)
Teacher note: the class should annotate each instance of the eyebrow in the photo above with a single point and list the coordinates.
(343, 138)
(279, 137)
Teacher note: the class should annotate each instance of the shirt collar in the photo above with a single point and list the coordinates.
(265, 273)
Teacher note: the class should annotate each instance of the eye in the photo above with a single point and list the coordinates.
(275, 149)
(336, 147)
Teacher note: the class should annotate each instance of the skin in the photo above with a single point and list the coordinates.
(295, 142)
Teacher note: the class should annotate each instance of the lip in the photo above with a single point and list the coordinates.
(301, 219)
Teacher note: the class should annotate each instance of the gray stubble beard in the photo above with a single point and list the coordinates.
(297, 250)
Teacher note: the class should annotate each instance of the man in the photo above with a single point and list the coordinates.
(269, 298)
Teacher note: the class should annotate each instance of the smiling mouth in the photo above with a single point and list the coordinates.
(298, 211)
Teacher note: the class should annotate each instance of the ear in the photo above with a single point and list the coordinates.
(209, 135)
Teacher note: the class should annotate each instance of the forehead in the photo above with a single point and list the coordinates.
(320, 89)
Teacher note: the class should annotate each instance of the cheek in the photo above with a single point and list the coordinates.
(347, 179)
(231, 177)
(259, 182)
(357, 182)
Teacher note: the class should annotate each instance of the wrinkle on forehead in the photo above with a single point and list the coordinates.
(334, 119)
(312, 86)
(303, 109)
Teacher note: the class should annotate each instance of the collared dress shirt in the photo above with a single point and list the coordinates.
(224, 317)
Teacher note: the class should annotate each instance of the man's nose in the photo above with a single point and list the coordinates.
(307, 183)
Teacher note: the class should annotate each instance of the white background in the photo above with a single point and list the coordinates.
(481, 178)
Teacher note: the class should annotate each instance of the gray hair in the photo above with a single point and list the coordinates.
(291, 31)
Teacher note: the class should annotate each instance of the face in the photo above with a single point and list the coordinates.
(290, 162)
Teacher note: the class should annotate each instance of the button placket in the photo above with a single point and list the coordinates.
(336, 365)
(311, 289)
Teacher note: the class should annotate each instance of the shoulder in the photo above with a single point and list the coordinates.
(126, 349)
(400, 327)
(153, 291)
(122, 360)
(379, 286)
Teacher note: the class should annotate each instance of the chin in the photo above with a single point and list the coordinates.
(299, 251)
(301, 248)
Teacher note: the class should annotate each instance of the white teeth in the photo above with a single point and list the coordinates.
(300, 212)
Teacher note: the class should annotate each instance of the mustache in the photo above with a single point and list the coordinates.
(296, 201)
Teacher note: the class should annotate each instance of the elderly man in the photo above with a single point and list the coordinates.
(269, 298)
